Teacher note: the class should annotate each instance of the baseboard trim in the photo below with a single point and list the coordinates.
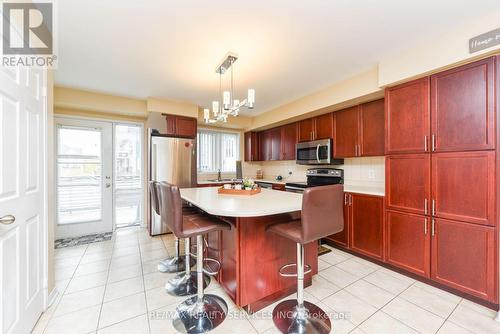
(52, 297)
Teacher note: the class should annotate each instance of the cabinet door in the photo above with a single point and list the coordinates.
(342, 238)
(265, 142)
(372, 128)
(251, 146)
(306, 129)
(408, 182)
(275, 143)
(463, 257)
(366, 225)
(185, 126)
(463, 186)
(463, 107)
(288, 141)
(408, 242)
(407, 118)
(170, 124)
(346, 133)
(323, 126)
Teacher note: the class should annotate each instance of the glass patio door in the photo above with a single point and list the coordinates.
(84, 170)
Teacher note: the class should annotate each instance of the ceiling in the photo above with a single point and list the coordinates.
(287, 49)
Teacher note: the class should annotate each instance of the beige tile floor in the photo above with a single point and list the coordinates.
(114, 287)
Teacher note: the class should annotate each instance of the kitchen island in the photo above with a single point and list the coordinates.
(250, 257)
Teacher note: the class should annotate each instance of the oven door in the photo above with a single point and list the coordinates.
(316, 152)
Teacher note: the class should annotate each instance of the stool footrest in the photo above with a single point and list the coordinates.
(217, 263)
(282, 271)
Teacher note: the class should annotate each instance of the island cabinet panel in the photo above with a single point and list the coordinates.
(306, 130)
(463, 257)
(288, 141)
(408, 242)
(251, 146)
(463, 107)
(265, 145)
(366, 225)
(342, 238)
(407, 117)
(323, 126)
(181, 126)
(372, 123)
(346, 133)
(408, 182)
(463, 186)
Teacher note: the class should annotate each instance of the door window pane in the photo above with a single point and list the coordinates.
(79, 174)
(128, 171)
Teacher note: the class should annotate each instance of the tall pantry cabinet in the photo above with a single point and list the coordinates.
(441, 177)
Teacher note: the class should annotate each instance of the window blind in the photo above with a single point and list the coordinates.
(217, 150)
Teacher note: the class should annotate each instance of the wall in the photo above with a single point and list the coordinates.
(50, 182)
(172, 107)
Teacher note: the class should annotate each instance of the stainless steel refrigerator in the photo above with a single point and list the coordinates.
(172, 160)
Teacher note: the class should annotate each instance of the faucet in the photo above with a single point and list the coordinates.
(219, 177)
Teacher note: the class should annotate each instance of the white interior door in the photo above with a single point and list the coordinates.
(84, 169)
(22, 197)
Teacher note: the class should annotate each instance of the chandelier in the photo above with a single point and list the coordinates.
(227, 105)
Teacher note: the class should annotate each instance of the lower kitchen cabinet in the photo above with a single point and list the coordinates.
(366, 225)
(463, 257)
(408, 242)
(363, 225)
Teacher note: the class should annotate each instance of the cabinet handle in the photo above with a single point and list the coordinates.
(425, 206)
(355, 150)
(433, 142)
(433, 207)
(359, 150)
(350, 199)
(425, 144)
(432, 227)
(425, 226)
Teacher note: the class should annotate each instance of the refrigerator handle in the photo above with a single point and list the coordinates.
(153, 162)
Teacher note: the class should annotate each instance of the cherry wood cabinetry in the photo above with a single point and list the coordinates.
(251, 146)
(320, 127)
(463, 186)
(371, 124)
(288, 141)
(407, 116)
(408, 182)
(265, 145)
(366, 224)
(275, 143)
(363, 225)
(181, 126)
(463, 107)
(463, 257)
(408, 242)
(346, 133)
(359, 130)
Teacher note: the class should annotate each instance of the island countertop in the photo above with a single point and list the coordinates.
(267, 202)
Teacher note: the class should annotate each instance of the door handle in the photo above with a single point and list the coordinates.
(317, 153)
(7, 220)
(345, 199)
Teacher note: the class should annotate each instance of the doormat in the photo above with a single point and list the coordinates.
(84, 240)
(323, 250)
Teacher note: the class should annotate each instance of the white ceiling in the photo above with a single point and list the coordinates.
(287, 49)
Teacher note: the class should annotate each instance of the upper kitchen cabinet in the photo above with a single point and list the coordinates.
(251, 146)
(463, 107)
(181, 126)
(320, 127)
(407, 117)
(372, 138)
(275, 143)
(270, 144)
(346, 142)
(288, 141)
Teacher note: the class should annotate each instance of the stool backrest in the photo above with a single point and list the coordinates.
(153, 191)
(322, 212)
(171, 207)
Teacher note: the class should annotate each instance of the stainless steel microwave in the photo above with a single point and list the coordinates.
(317, 152)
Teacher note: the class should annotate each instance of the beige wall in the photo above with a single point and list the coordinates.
(172, 107)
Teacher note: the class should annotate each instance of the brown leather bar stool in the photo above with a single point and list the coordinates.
(322, 215)
(200, 313)
(174, 264)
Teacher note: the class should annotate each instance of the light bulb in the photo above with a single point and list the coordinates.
(215, 107)
(206, 115)
(226, 99)
(251, 98)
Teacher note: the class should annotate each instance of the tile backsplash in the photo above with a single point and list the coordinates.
(362, 172)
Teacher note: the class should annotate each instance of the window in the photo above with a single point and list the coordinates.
(217, 150)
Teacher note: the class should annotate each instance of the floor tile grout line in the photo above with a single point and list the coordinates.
(448, 318)
(144, 288)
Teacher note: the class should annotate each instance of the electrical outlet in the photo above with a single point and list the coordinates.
(371, 173)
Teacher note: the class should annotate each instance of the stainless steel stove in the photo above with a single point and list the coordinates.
(317, 177)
